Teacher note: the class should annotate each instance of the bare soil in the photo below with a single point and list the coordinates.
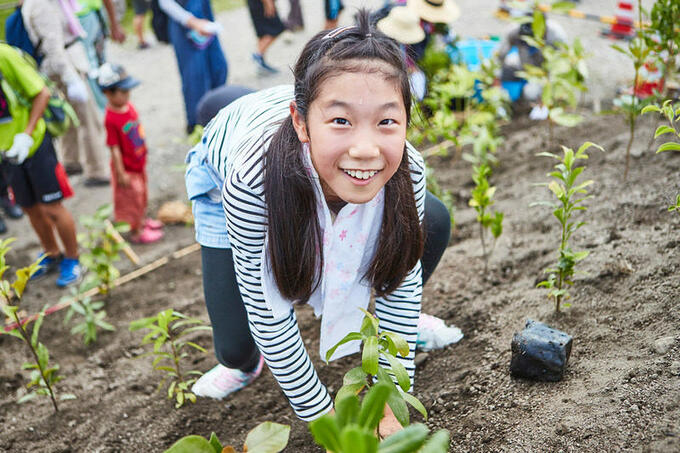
(621, 391)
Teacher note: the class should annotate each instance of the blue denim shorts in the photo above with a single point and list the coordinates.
(204, 187)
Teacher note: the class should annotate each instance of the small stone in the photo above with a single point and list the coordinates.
(663, 345)
(675, 368)
(421, 358)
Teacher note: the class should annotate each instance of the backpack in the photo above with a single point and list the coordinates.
(59, 115)
(17, 36)
(159, 22)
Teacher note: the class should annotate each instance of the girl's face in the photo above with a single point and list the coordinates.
(356, 130)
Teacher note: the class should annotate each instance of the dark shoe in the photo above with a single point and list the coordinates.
(73, 169)
(12, 210)
(3, 227)
(262, 65)
(143, 45)
(97, 182)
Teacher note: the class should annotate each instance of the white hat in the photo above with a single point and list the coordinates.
(436, 11)
(402, 24)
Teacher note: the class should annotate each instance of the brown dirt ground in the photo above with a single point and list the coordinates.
(620, 392)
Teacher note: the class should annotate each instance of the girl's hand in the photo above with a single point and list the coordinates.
(201, 26)
(124, 180)
(389, 424)
(269, 8)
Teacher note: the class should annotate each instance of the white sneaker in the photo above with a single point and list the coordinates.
(221, 381)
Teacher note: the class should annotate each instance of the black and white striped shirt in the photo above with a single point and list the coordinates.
(236, 139)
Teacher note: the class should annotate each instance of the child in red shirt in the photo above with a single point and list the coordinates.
(125, 138)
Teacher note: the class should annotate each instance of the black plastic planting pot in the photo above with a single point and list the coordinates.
(540, 352)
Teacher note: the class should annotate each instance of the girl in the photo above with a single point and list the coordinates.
(324, 202)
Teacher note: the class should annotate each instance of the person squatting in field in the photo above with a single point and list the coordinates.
(324, 202)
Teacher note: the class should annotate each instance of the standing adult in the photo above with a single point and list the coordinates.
(201, 61)
(54, 29)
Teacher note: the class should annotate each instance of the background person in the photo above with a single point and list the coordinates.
(36, 176)
(268, 27)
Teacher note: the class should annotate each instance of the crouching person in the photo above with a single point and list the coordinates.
(34, 173)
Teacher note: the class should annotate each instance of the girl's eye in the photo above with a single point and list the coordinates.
(387, 122)
(340, 121)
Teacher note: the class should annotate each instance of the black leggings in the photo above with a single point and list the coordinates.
(234, 346)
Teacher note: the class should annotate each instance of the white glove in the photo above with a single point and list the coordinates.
(213, 28)
(76, 91)
(21, 145)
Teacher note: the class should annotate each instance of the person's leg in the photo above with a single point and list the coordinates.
(234, 345)
(63, 221)
(92, 138)
(437, 234)
(44, 228)
(264, 42)
(138, 26)
(294, 22)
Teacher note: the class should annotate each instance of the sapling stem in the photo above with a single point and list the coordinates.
(175, 357)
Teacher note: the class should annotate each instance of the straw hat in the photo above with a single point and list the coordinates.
(435, 11)
(402, 24)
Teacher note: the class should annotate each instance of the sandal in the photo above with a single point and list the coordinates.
(147, 236)
(153, 224)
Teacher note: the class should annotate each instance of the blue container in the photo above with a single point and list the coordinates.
(514, 88)
(472, 52)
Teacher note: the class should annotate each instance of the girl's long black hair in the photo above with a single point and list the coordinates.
(295, 238)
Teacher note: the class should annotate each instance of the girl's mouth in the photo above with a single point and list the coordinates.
(361, 174)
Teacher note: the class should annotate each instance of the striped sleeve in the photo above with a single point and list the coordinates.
(398, 312)
(278, 340)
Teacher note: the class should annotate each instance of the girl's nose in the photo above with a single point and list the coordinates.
(364, 149)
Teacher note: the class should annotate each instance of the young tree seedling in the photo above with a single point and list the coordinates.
(167, 331)
(570, 197)
(482, 199)
(267, 437)
(43, 375)
(90, 313)
(102, 248)
(638, 51)
(663, 37)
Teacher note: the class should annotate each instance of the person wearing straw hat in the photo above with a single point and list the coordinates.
(435, 11)
(403, 25)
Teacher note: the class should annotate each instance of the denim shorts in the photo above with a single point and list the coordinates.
(204, 187)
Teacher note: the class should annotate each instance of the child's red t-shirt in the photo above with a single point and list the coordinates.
(123, 129)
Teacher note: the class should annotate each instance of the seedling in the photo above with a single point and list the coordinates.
(482, 199)
(102, 248)
(570, 196)
(43, 375)
(267, 437)
(562, 74)
(167, 332)
(353, 428)
(91, 315)
(638, 51)
(663, 36)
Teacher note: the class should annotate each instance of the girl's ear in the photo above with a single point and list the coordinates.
(298, 123)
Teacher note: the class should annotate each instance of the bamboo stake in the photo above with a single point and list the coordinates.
(119, 281)
(132, 256)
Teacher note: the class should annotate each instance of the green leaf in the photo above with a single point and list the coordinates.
(352, 336)
(215, 442)
(663, 129)
(415, 402)
(369, 358)
(346, 411)
(399, 372)
(355, 376)
(437, 443)
(267, 437)
(373, 405)
(670, 146)
(369, 325)
(357, 440)
(408, 439)
(399, 341)
(191, 444)
(399, 407)
(27, 397)
(651, 108)
(326, 432)
(349, 390)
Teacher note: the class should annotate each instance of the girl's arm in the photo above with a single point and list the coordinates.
(278, 340)
(121, 176)
(398, 312)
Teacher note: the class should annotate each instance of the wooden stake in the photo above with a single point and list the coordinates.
(132, 256)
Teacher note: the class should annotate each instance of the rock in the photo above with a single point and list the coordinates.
(421, 358)
(663, 345)
(675, 368)
(540, 352)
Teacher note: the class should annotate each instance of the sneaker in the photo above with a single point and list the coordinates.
(143, 45)
(48, 265)
(262, 65)
(96, 182)
(221, 381)
(10, 208)
(69, 272)
(147, 236)
(73, 169)
(153, 224)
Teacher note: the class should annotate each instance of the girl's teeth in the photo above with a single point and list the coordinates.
(359, 174)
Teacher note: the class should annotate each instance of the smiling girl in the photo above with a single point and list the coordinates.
(324, 203)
